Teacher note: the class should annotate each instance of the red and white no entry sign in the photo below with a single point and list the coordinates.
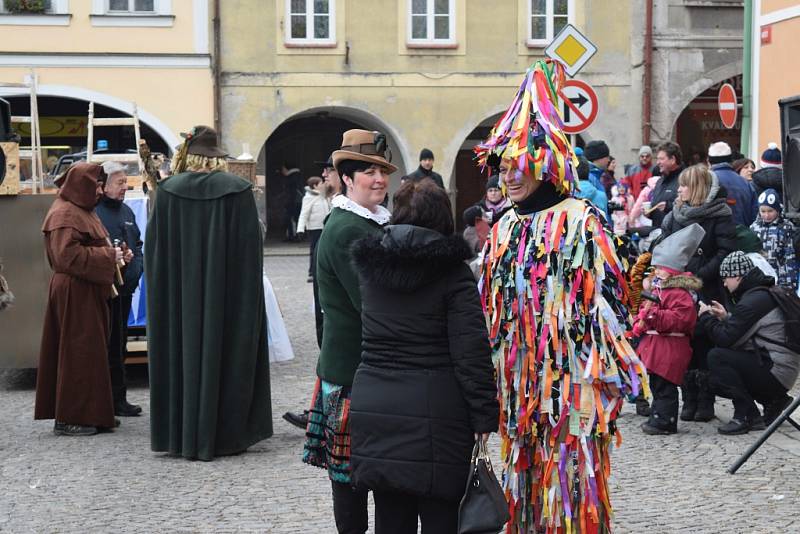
(578, 106)
(727, 105)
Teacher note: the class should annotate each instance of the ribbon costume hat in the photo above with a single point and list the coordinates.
(530, 132)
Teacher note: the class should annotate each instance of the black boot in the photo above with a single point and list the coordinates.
(735, 426)
(705, 398)
(300, 420)
(125, 409)
(642, 406)
(689, 396)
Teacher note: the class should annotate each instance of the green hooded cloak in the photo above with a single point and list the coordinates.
(206, 321)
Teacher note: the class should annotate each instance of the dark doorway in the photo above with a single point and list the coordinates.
(300, 143)
(699, 123)
(303, 141)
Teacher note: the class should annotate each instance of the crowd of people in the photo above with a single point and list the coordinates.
(571, 292)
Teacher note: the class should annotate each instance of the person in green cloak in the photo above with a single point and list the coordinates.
(206, 319)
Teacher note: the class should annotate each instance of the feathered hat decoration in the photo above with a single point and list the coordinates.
(531, 132)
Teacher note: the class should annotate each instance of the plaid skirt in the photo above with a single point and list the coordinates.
(327, 443)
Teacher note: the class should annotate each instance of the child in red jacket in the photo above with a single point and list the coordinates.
(665, 322)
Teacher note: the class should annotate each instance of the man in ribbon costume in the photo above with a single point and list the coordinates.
(555, 299)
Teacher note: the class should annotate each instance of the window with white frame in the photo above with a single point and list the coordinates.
(311, 21)
(431, 22)
(131, 6)
(546, 18)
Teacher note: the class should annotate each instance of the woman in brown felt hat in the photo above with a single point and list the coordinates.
(206, 320)
(364, 165)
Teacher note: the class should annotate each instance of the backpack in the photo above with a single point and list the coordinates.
(789, 303)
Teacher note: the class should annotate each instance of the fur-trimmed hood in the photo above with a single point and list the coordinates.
(683, 281)
(408, 257)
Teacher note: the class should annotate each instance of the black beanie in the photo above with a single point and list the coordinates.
(595, 150)
(471, 214)
(425, 153)
(493, 183)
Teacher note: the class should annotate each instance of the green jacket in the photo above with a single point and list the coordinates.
(339, 296)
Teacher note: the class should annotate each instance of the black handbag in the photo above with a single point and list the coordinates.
(483, 509)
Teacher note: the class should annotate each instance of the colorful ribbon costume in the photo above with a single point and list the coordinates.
(555, 298)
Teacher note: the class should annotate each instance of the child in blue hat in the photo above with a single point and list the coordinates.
(776, 234)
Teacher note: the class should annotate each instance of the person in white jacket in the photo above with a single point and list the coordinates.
(316, 206)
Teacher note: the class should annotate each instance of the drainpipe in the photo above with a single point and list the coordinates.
(648, 73)
(217, 70)
(747, 76)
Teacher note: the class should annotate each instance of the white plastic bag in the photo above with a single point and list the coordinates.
(280, 348)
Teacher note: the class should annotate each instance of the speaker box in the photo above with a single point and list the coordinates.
(6, 133)
(790, 136)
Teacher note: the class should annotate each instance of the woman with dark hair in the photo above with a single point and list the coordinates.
(425, 389)
(701, 200)
(364, 169)
(744, 167)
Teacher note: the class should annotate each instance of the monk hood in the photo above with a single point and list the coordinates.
(79, 185)
(74, 207)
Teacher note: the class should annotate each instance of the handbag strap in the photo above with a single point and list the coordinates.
(481, 452)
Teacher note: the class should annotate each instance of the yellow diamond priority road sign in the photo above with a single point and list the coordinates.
(572, 48)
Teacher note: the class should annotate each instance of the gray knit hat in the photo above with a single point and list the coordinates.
(675, 251)
(735, 264)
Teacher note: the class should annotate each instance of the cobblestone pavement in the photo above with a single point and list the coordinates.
(113, 483)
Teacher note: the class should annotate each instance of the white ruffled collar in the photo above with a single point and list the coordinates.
(381, 215)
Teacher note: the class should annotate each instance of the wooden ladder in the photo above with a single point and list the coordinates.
(37, 170)
(133, 120)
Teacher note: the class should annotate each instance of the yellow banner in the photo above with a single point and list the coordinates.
(55, 127)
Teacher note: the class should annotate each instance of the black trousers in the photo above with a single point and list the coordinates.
(664, 409)
(744, 377)
(313, 239)
(119, 309)
(349, 509)
(397, 513)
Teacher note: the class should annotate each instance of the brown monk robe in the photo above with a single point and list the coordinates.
(73, 384)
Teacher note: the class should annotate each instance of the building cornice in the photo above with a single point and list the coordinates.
(682, 40)
(106, 60)
(397, 79)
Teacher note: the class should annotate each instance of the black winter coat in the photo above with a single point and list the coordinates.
(666, 190)
(426, 381)
(768, 177)
(750, 306)
(719, 241)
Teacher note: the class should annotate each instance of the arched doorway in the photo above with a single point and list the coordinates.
(304, 140)
(699, 123)
(63, 123)
(470, 181)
